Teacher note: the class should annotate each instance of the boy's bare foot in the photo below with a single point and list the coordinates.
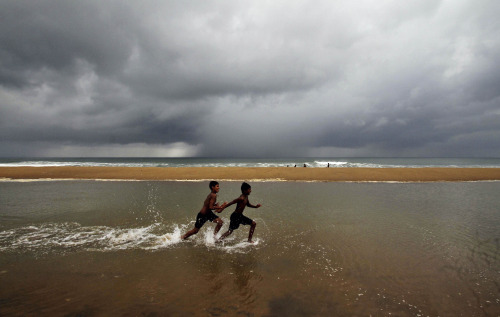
(250, 241)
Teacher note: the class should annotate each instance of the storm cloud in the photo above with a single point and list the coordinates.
(249, 78)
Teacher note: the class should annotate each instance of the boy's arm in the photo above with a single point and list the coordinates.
(252, 206)
(225, 205)
(220, 208)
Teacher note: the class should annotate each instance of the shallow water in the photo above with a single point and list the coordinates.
(346, 249)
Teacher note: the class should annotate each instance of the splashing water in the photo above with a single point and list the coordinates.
(64, 237)
(54, 237)
(232, 244)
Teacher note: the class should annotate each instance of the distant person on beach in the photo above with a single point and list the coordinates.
(237, 216)
(206, 213)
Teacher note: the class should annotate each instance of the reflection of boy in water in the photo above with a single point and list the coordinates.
(237, 217)
(206, 213)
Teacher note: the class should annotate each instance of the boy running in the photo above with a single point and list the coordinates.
(237, 217)
(206, 213)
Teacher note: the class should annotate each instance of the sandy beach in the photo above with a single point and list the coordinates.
(255, 173)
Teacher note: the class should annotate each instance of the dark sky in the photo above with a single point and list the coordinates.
(250, 78)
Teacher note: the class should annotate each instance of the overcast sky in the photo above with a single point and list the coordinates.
(250, 78)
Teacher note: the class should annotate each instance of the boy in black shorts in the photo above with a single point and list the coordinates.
(237, 217)
(206, 213)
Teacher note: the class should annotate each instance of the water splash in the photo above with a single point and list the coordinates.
(63, 237)
(71, 237)
(232, 244)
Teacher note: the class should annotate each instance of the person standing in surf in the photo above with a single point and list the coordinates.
(206, 213)
(237, 216)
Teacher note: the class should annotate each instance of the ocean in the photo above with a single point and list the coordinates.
(255, 162)
(112, 248)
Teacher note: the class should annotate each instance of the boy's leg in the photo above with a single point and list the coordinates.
(233, 225)
(225, 235)
(190, 233)
(250, 233)
(200, 221)
(218, 226)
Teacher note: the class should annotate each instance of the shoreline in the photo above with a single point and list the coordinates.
(300, 174)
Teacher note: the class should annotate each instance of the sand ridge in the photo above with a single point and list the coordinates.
(344, 174)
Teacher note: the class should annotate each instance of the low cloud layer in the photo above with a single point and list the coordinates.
(241, 78)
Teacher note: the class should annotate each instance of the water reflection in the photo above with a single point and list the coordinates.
(224, 283)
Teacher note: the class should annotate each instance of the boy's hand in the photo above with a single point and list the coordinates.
(258, 205)
(221, 208)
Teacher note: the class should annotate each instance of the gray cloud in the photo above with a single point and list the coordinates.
(234, 78)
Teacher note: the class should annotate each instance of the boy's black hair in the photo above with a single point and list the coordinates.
(245, 186)
(212, 184)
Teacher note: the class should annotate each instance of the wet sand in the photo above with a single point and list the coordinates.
(255, 173)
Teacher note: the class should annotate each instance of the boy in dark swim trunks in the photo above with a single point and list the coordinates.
(237, 216)
(206, 213)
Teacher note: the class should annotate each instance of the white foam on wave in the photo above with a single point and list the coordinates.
(354, 164)
(299, 162)
(80, 164)
(332, 163)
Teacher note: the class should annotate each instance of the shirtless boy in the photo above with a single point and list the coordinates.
(206, 213)
(237, 216)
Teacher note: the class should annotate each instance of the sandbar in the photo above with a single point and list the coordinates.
(340, 174)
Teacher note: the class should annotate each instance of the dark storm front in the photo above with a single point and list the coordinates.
(321, 249)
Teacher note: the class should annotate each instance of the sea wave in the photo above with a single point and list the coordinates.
(77, 163)
(351, 164)
(308, 162)
(206, 164)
